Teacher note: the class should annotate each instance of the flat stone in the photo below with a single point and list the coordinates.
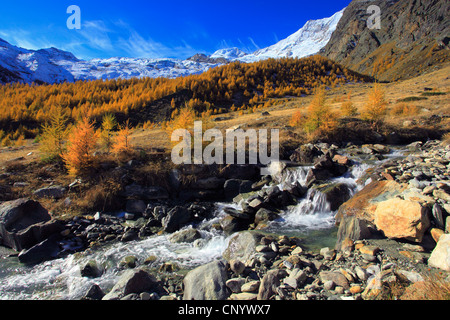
(251, 286)
(245, 296)
(235, 284)
(402, 219)
(369, 250)
(337, 277)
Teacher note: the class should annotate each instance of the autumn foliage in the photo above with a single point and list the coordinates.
(376, 106)
(79, 156)
(121, 145)
(320, 119)
(348, 109)
(297, 119)
(109, 124)
(54, 135)
(237, 86)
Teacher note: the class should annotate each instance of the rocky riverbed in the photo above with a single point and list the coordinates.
(392, 228)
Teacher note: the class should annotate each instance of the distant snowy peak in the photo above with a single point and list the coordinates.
(33, 66)
(229, 54)
(126, 68)
(55, 55)
(55, 66)
(309, 40)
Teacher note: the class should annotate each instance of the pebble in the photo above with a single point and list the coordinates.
(251, 286)
(369, 250)
(356, 289)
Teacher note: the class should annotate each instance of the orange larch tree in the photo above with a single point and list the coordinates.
(79, 157)
(122, 142)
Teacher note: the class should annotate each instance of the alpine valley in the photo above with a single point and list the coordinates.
(355, 205)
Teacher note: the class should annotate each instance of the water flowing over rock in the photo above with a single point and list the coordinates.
(276, 256)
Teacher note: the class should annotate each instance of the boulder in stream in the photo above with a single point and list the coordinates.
(46, 250)
(24, 223)
(207, 282)
(132, 281)
(176, 219)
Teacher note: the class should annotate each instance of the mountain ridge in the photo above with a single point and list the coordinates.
(312, 37)
(53, 65)
(414, 36)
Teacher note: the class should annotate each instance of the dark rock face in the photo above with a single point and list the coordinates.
(306, 154)
(336, 194)
(56, 192)
(132, 281)
(16, 218)
(46, 250)
(175, 219)
(324, 169)
(409, 31)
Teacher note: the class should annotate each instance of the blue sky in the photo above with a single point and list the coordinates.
(157, 29)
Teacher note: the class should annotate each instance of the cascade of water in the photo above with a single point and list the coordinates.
(293, 175)
(61, 278)
(313, 211)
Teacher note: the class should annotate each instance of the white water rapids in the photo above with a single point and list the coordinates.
(61, 278)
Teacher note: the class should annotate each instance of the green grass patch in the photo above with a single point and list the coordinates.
(410, 99)
(430, 94)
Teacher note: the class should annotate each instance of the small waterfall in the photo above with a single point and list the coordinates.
(351, 178)
(292, 175)
(313, 210)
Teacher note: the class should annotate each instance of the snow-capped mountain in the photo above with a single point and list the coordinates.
(54, 66)
(309, 40)
(126, 68)
(229, 54)
(18, 64)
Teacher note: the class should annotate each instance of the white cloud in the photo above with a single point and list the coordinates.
(135, 45)
(223, 44)
(275, 37)
(25, 39)
(99, 38)
(97, 35)
(253, 43)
